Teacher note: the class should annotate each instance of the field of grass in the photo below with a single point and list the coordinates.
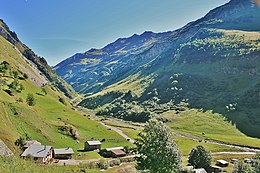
(184, 144)
(136, 83)
(208, 125)
(43, 120)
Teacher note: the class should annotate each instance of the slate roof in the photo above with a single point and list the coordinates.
(29, 143)
(36, 150)
(61, 151)
(93, 143)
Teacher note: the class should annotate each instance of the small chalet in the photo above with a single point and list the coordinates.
(29, 143)
(114, 152)
(92, 145)
(63, 153)
(40, 153)
(222, 163)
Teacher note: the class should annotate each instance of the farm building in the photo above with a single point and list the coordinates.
(92, 145)
(40, 153)
(114, 152)
(63, 153)
(222, 163)
(29, 143)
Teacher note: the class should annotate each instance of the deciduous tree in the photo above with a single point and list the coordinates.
(157, 149)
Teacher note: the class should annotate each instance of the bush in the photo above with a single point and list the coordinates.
(113, 163)
(243, 168)
(21, 141)
(103, 164)
(62, 100)
(25, 76)
(31, 101)
(15, 74)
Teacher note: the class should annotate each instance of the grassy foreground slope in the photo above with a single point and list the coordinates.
(44, 120)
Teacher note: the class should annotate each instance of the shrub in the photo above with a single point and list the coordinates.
(62, 100)
(113, 163)
(103, 164)
(25, 76)
(21, 141)
(31, 101)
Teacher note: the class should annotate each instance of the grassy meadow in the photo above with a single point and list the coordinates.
(43, 121)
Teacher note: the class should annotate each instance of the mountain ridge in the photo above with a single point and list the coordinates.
(39, 62)
(208, 64)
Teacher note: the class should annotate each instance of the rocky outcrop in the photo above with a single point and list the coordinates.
(4, 150)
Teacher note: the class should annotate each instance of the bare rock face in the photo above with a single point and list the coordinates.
(4, 150)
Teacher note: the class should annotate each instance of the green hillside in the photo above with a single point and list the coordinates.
(206, 65)
(45, 120)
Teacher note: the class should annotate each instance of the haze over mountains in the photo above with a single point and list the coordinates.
(212, 63)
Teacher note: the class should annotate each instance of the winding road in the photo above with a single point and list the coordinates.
(118, 131)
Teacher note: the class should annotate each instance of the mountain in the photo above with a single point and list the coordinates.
(32, 106)
(102, 67)
(209, 64)
(40, 63)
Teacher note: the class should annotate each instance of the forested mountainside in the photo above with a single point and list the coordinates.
(40, 63)
(210, 64)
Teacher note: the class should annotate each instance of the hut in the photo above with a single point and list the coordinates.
(92, 145)
(63, 153)
(114, 152)
(39, 153)
(222, 163)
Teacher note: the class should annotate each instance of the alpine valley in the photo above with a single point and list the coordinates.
(156, 96)
(209, 64)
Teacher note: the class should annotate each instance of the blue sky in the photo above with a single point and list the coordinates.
(57, 29)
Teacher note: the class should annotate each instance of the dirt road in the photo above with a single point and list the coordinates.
(118, 131)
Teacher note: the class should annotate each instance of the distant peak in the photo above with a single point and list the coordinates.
(92, 50)
(147, 32)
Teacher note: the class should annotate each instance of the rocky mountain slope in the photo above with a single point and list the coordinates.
(39, 62)
(210, 64)
(95, 69)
